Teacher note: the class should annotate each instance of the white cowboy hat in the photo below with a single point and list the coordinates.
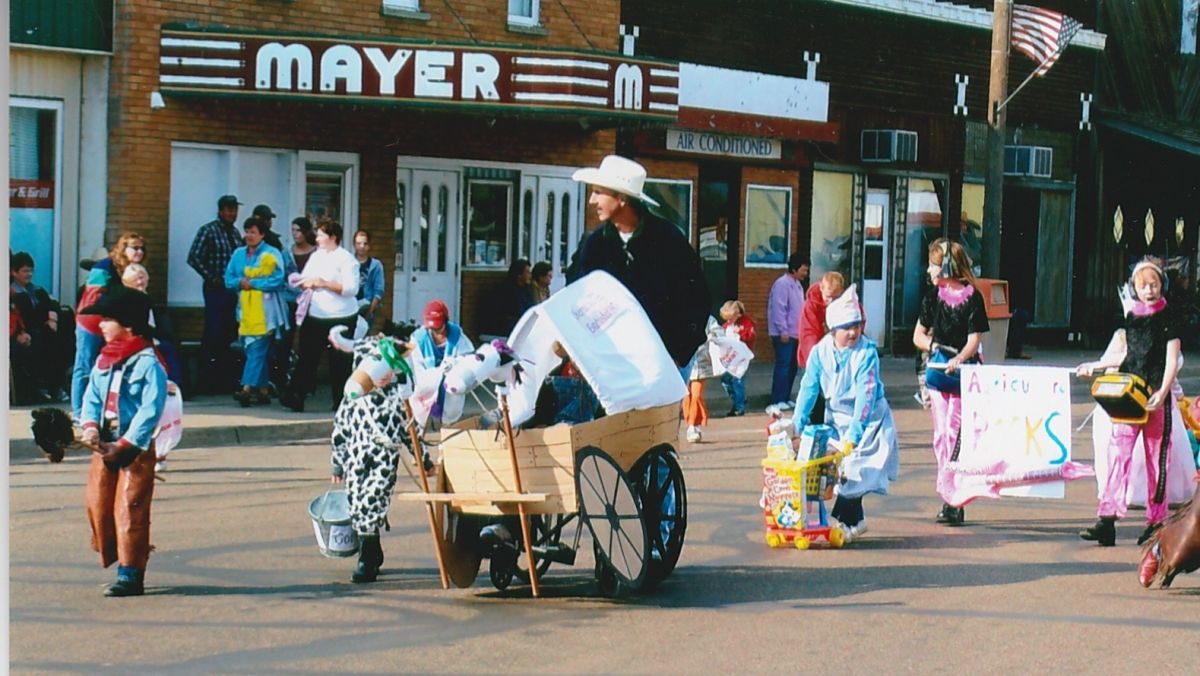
(618, 174)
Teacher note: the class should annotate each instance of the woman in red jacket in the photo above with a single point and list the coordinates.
(733, 313)
(812, 326)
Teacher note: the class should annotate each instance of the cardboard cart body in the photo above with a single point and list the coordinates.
(618, 474)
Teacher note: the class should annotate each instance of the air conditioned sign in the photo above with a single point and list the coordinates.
(478, 76)
(708, 143)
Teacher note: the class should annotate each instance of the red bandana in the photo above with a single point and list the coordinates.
(117, 351)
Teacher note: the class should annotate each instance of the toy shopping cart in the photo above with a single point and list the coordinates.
(795, 491)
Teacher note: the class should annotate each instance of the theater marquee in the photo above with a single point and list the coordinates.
(416, 73)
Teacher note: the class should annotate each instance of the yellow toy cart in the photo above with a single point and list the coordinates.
(794, 495)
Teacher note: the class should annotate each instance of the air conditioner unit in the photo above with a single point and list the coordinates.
(1028, 161)
(889, 145)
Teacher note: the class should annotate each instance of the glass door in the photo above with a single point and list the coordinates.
(551, 223)
(875, 263)
(426, 236)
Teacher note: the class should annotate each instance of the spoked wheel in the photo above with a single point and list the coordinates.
(502, 566)
(609, 506)
(546, 530)
(658, 480)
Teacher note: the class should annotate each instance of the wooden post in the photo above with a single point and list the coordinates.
(502, 393)
(993, 196)
(419, 454)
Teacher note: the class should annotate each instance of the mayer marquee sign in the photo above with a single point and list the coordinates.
(415, 73)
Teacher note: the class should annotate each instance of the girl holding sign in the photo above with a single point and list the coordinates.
(844, 367)
(950, 327)
(1152, 349)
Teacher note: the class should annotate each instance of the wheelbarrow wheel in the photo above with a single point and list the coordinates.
(658, 480)
(610, 507)
(546, 530)
(502, 566)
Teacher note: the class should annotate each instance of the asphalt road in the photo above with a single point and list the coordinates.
(237, 585)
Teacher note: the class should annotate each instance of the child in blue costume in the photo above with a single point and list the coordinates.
(844, 367)
(124, 400)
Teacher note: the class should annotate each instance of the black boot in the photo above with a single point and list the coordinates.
(946, 515)
(1103, 533)
(1146, 534)
(129, 583)
(370, 558)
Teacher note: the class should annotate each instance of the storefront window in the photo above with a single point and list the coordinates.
(489, 207)
(833, 195)
(323, 192)
(972, 223)
(675, 202)
(768, 225)
(33, 185)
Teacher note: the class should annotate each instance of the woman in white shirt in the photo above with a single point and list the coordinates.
(332, 275)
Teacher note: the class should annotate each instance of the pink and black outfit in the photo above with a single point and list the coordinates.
(1148, 329)
(951, 316)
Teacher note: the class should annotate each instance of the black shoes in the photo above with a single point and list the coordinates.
(734, 413)
(129, 583)
(292, 401)
(1103, 532)
(1148, 533)
(370, 558)
(952, 516)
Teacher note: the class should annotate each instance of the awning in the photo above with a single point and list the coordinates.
(1185, 140)
(755, 104)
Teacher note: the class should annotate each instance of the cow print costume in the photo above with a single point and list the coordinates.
(368, 467)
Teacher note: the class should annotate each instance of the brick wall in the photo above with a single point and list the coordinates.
(140, 138)
(754, 284)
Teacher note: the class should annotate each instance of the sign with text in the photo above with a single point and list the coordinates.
(1016, 433)
(709, 143)
(417, 73)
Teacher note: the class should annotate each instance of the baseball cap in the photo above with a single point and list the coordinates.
(263, 211)
(436, 314)
(227, 201)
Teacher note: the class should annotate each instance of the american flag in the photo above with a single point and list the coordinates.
(1041, 34)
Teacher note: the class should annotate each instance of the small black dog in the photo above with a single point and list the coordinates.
(52, 432)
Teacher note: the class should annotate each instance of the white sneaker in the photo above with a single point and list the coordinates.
(859, 529)
(160, 466)
(774, 411)
(693, 434)
(787, 406)
(847, 533)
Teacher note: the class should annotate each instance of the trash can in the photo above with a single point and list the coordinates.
(995, 301)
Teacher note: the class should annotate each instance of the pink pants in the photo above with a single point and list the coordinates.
(1156, 441)
(947, 420)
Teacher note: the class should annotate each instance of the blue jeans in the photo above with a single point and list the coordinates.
(254, 373)
(87, 349)
(786, 367)
(736, 389)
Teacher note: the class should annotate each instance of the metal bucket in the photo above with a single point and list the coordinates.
(330, 514)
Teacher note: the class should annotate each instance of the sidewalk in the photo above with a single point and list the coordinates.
(220, 421)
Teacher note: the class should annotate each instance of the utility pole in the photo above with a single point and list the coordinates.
(993, 196)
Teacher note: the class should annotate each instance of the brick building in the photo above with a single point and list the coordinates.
(449, 131)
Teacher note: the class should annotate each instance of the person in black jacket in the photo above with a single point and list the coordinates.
(40, 349)
(649, 255)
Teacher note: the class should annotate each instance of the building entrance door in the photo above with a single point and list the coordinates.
(553, 223)
(426, 230)
(876, 242)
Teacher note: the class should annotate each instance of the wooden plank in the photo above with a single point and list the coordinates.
(502, 497)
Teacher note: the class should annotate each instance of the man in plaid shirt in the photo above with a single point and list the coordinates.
(209, 256)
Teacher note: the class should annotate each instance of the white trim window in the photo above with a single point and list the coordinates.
(405, 5)
(524, 12)
(489, 223)
(768, 226)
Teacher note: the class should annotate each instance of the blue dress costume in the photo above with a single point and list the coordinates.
(855, 404)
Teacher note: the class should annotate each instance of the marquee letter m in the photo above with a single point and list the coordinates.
(275, 64)
(628, 87)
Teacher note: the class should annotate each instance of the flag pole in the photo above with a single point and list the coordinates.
(993, 195)
(1021, 86)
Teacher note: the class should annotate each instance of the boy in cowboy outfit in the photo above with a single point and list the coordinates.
(121, 408)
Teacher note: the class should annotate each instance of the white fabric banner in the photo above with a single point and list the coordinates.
(1016, 432)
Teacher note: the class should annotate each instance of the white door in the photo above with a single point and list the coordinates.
(328, 190)
(875, 263)
(426, 227)
(552, 224)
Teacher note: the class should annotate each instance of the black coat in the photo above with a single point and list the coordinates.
(663, 271)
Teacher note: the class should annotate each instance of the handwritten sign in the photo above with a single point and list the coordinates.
(1016, 422)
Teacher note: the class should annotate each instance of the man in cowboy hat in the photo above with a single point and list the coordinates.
(650, 256)
(124, 400)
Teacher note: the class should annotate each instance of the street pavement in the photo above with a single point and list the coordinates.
(236, 584)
